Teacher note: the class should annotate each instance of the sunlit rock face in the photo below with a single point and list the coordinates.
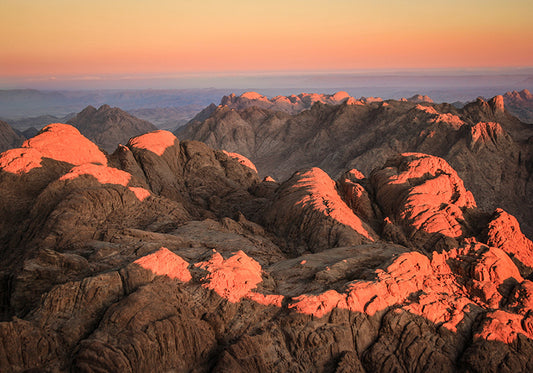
(490, 149)
(168, 255)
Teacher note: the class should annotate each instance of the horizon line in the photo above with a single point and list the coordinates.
(221, 73)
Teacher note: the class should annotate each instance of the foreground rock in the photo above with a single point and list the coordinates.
(171, 256)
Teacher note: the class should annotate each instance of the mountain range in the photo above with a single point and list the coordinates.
(491, 149)
(169, 255)
(520, 104)
(394, 239)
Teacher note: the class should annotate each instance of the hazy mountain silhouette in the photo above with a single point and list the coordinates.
(108, 126)
(9, 138)
(520, 104)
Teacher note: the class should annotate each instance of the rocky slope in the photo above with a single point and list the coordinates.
(108, 126)
(491, 150)
(520, 104)
(8, 137)
(168, 255)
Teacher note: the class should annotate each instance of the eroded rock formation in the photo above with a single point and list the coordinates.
(170, 256)
(108, 126)
(491, 150)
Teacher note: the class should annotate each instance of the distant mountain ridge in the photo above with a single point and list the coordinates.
(9, 138)
(40, 121)
(294, 104)
(520, 104)
(108, 126)
(490, 148)
(169, 255)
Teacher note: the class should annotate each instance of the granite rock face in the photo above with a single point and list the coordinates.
(168, 255)
(491, 150)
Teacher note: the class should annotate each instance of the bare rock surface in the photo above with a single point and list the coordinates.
(491, 150)
(168, 255)
(310, 213)
(108, 126)
(520, 104)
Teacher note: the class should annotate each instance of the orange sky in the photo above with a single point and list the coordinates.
(66, 37)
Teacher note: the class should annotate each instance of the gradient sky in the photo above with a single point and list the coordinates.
(69, 37)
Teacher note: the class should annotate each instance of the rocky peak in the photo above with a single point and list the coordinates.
(522, 95)
(65, 143)
(228, 100)
(108, 126)
(89, 110)
(418, 98)
(104, 108)
(185, 268)
(8, 137)
(496, 104)
(253, 96)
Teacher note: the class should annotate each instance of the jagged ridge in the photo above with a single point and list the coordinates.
(170, 255)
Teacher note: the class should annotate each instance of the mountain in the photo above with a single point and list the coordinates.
(420, 98)
(30, 132)
(22, 103)
(168, 255)
(491, 150)
(108, 126)
(290, 104)
(294, 104)
(520, 104)
(8, 137)
(23, 124)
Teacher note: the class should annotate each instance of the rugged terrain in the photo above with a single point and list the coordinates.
(294, 104)
(491, 150)
(108, 126)
(9, 138)
(168, 255)
(520, 104)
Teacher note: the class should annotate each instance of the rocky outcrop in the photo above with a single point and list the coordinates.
(168, 255)
(420, 98)
(520, 104)
(424, 195)
(108, 126)
(482, 138)
(503, 231)
(242, 160)
(308, 211)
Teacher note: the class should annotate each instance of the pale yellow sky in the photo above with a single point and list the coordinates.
(42, 37)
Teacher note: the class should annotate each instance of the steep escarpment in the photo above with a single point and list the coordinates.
(168, 255)
(490, 149)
